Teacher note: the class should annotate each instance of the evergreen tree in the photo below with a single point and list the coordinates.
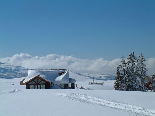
(121, 76)
(131, 74)
(118, 80)
(141, 72)
(153, 83)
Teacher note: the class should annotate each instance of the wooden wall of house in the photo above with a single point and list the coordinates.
(21, 82)
(27, 86)
(47, 85)
(73, 85)
(65, 86)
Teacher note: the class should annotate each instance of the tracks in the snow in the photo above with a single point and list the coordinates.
(101, 102)
(11, 91)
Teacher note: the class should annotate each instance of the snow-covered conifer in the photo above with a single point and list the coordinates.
(121, 76)
(118, 80)
(131, 74)
(141, 72)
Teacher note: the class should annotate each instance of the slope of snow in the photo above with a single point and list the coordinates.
(15, 100)
(83, 80)
(98, 76)
(101, 102)
(8, 71)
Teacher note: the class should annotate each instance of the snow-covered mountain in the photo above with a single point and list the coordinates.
(82, 79)
(98, 76)
(9, 71)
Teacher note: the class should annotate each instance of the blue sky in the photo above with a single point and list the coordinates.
(83, 28)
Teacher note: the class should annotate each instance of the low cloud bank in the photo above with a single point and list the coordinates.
(150, 65)
(52, 61)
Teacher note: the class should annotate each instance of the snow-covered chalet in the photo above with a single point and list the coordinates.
(48, 79)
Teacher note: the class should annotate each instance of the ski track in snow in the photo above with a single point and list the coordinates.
(11, 91)
(139, 111)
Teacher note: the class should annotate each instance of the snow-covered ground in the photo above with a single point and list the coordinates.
(99, 100)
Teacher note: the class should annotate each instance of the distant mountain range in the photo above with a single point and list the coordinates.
(9, 71)
(98, 76)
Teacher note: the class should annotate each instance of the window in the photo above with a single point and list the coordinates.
(69, 85)
(31, 86)
(61, 85)
(42, 82)
(32, 82)
(38, 83)
(42, 86)
(35, 80)
(35, 86)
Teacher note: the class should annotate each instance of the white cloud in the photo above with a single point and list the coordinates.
(53, 61)
(150, 64)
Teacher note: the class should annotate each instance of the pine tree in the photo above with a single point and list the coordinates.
(141, 72)
(153, 83)
(121, 74)
(131, 74)
(118, 80)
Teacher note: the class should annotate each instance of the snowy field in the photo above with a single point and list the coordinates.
(94, 100)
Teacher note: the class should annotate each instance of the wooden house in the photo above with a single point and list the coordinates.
(48, 79)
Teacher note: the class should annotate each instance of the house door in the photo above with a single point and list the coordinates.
(65, 86)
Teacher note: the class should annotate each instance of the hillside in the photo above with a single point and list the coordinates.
(18, 101)
(9, 71)
(82, 79)
(99, 100)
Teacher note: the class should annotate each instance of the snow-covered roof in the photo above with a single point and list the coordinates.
(50, 75)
